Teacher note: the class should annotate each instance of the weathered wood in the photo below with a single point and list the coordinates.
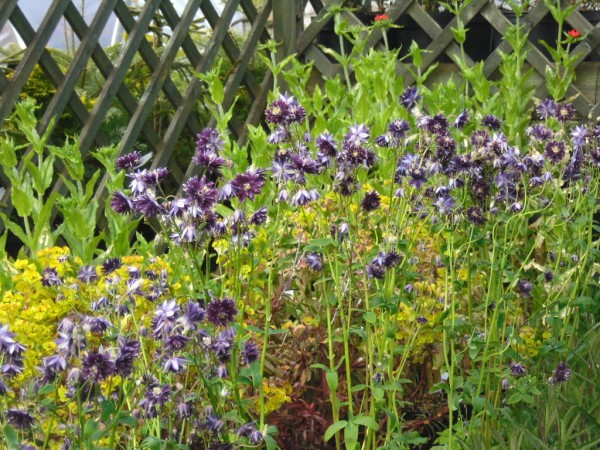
(116, 77)
(284, 27)
(192, 93)
(35, 48)
(89, 40)
(159, 77)
(6, 9)
(105, 66)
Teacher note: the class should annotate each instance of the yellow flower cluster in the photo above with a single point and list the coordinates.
(530, 341)
(34, 311)
(276, 393)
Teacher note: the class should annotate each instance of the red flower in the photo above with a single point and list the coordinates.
(381, 17)
(572, 33)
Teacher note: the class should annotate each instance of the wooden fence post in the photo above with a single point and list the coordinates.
(284, 30)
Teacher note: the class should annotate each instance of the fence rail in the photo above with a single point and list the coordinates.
(282, 20)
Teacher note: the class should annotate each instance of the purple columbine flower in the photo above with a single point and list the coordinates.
(475, 215)
(579, 135)
(555, 151)
(147, 205)
(371, 202)
(209, 140)
(87, 274)
(128, 352)
(564, 112)
(327, 144)
(418, 177)
(461, 119)
(155, 177)
(194, 314)
(398, 128)
(517, 369)
(120, 203)
(210, 161)
(562, 373)
(444, 204)
(278, 136)
(175, 342)
(314, 261)
(221, 312)
(138, 182)
(223, 344)
(250, 353)
(547, 108)
(540, 132)
(525, 288)
(385, 140)
(480, 139)
(110, 265)
(410, 97)
(129, 161)
(375, 271)
(97, 325)
(391, 259)
(174, 364)
(491, 122)
(20, 419)
(357, 134)
(302, 197)
(97, 366)
(50, 277)
(249, 431)
(437, 124)
(248, 184)
(201, 193)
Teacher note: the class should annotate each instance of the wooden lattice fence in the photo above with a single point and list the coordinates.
(282, 20)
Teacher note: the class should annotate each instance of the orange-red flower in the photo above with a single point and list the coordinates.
(574, 33)
(381, 17)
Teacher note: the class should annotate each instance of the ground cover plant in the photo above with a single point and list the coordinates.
(396, 266)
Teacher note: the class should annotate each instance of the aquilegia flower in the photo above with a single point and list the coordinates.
(129, 161)
(221, 312)
(371, 202)
(97, 366)
(20, 419)
(314, 261)
(410, 97)
(562, 373)
(248, 184)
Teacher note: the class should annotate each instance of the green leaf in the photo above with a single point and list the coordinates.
(351, 436)
(153, 443)
(11, 437)
(478, 403)
(8, 156)
(515, 398)
(271, 443)
(89, 429)
(366, 421)
(370, 317)
(47, 389)
(322, 242)
(583, 301)
(216, 91)
(22, 201)
(332, 380)
(108, 408)
(128, 420)
(334, 428)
